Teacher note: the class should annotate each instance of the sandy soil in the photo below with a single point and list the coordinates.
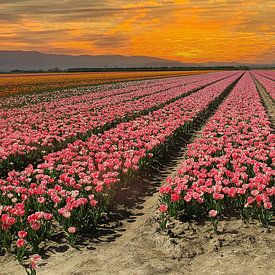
(188, 249)
(139, 247)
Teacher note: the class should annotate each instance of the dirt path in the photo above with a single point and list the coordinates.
(190, 249)
(143, 250)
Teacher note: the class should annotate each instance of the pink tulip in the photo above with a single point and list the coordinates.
(22, 234)
(163, 208)
(34, 259)
(72, 230)
(20, 243)
(212, 213)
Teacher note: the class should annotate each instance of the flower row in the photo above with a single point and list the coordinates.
(73, 187)
(32, 83)
(20, 100)
(268, 74)
(26, 130)
(230, 166)
(267, 83)
(50, 100)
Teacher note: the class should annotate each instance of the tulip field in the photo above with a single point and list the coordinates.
(13, 84)
(64, 156)
(230, 167)
(39, 127)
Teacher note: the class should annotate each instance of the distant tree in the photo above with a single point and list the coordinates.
(54, 70)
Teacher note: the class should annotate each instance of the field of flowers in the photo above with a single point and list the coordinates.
(230, 167)
(34, 83)
(267, 74)
(46, 126)
(63, 158)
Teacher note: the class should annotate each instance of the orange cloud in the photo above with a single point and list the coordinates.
(185, 30)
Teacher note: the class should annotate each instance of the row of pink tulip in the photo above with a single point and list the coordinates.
(19, 100)
(26, 130)
(73, 187)
(87, 96)
(230, 166)
(269, 74)
(267, 83)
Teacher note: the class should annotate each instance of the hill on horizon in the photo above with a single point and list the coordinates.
(33, 60)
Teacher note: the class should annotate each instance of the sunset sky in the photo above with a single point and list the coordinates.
(184, 30)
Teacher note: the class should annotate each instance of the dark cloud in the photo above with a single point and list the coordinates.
(68, 10)
(9, 18)
(11, 1)
(34, 37)
(110, 41)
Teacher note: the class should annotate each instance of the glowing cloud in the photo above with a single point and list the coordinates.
(185, 30)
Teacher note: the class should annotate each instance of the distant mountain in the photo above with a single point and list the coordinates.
(32, 60)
